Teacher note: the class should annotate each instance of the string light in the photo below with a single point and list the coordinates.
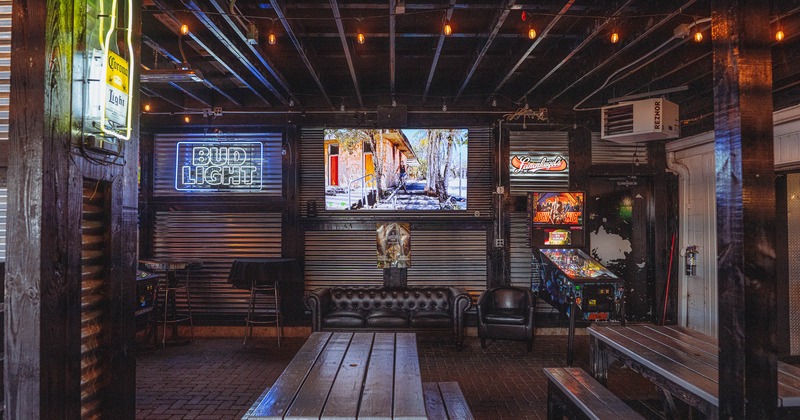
(779, 35)
(524, 16)
(614, 36)
(186, 119)
(184, 29)
(444, 105)
(146, 107)
(531, 33)
(698, 36)
(360, 37)
(272, 39)
(447, 28)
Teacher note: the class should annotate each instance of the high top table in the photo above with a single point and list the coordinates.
(682, 363)
(348, 376)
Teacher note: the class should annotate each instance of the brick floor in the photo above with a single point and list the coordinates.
(220, 379)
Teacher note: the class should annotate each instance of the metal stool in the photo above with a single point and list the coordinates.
(165, 311)
(272, 314)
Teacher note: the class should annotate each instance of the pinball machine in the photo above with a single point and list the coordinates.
(564, 275)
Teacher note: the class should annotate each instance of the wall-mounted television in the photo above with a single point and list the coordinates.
(396, 169)
(557, 208)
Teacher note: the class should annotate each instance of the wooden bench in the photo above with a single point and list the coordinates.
(445, 401)
(573, 390)
(252, 408)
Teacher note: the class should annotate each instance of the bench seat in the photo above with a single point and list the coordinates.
(445, 401)
(573, 390)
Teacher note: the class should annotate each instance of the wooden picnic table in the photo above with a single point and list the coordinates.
(349, 375)
(682, 363)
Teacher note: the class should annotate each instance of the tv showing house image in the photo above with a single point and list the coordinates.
(396, 169)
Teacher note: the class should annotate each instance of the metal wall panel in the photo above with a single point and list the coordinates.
(216, 239)
(3, 212)
(5, 66)
(438, 258)
(793, 210)
(479, 178)
(523, 274)
(165, 151)
(538, 143)
(607, 152)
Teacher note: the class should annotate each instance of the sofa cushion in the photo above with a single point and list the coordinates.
(344, 318)
(506, 316)
(431, 319)
(388, 318)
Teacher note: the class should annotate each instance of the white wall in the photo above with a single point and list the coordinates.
(693, 159)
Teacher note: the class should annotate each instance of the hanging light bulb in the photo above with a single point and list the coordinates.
(779, 35)
(494, 102)
(272, 39)
(531, 33)
(444, 105)
(614, 36)
(698, 36)
(186, 119)
(360, 37)
(146, 107)
(184, 29)
(524, 16)
(447, 28)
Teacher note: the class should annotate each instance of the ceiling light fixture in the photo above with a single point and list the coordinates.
(184, 29)
(444, 105)
(614, 36)
(146, 107)
(779, 35)
(448, 30)
(524, 16)
(272, 39)
(360, 37)
(186, 119)
(494, 102)
(531, 33)
(698, 36)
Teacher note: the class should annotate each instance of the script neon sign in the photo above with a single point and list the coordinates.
(220, 166)
(523, 164)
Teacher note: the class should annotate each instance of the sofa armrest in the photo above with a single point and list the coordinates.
(460, 301)
(318, 301)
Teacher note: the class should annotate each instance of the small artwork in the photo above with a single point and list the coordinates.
(394, 245)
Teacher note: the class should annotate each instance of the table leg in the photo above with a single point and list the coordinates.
(573, 307)
(598, 361)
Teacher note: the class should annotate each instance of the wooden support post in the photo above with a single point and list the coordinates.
(745, 174)
(46, 178)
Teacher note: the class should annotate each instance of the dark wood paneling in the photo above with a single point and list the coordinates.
(745, 175)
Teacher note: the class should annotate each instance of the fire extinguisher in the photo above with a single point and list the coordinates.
(691, 260)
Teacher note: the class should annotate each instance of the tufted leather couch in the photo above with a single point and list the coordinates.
(389, 309)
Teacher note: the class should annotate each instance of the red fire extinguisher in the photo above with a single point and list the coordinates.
(691, 260)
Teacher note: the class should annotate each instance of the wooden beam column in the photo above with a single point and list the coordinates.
(745, 209)
(44, 322)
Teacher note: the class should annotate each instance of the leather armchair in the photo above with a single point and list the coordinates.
(506, 313)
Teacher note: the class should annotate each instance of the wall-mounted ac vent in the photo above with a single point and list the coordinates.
(644, 120)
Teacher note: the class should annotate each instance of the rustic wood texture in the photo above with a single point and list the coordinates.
(434, 404)
(348, 375)
(47, 173)
(444, 401)
(588, 395)
(746, 267)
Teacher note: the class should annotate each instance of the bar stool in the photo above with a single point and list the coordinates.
(165, 309)
(272, 311)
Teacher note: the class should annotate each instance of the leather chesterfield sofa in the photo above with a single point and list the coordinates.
(389, 309)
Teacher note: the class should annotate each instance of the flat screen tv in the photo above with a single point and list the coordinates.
(396, 169)
(557, 208)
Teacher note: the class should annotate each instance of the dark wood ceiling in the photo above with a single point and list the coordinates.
(487, 63)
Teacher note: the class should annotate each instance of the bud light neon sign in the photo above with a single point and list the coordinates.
(219, 166)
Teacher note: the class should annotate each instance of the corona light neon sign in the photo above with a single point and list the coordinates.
(117, 73)
(219, 166)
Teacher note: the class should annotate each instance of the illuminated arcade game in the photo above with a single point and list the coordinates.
(569, 279)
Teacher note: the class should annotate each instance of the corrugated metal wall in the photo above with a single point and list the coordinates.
(216, 239)
(5, 66)
(438, 258)
(3, 210)
(607, 152)
(542, 144)
(479, 179)
(164, 160)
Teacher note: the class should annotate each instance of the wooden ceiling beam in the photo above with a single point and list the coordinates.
(501, 19)
(448, 14)
(346, 47)
(300, 49)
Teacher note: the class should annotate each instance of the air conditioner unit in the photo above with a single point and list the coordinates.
(643, 120)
